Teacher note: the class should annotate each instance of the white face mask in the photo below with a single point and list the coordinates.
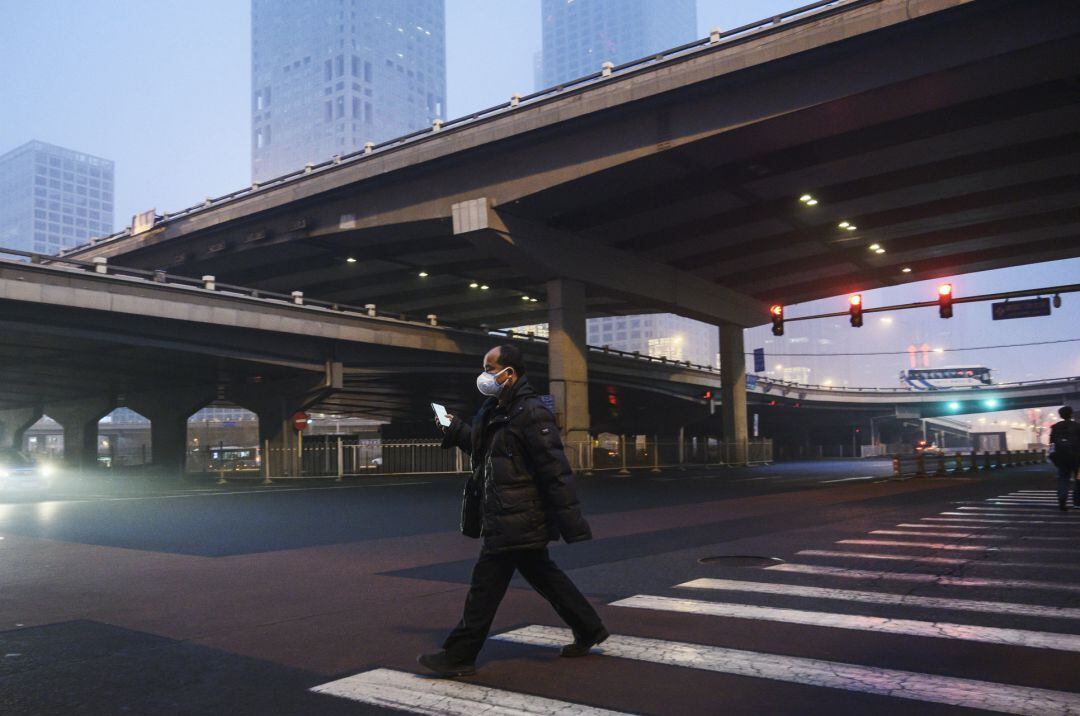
(486, 383)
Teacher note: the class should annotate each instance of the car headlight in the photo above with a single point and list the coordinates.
(4, 472)
(46, 470)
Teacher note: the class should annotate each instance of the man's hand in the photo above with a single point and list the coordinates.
(443, 428)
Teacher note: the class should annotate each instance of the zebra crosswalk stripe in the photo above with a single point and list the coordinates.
(907, 600)
(880, 625)
(954, 547)
(1023, 700)
(935, 560)
(442, 697)
(965, 535)
(916, 577)
(997, 519)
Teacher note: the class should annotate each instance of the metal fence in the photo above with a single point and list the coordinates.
(942, 464)
(337, 459)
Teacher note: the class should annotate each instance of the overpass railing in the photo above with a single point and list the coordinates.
(945, 464)
(338, 459)
(99, 266)
(716, 39)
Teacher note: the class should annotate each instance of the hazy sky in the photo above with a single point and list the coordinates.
(162, 89)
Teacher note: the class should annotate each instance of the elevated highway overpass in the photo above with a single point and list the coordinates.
(756, 166)
(76, 342)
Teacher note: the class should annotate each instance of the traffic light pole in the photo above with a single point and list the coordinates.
(1050, 291)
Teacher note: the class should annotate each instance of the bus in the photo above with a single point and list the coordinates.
(968, 376)
(234, 458)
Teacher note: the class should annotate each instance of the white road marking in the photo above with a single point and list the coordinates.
(937, 560)
(1003, 519)
(443, 697)
(968, 535)
(906, 600)
(936, 579)
(1010, 510)
(881, 625)
(848, 479)
(956, 547)
(270, 491)
(959, 535)
(950, 690)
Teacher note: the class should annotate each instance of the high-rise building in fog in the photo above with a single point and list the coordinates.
(330, 75)
(580, 35)
(53, 198)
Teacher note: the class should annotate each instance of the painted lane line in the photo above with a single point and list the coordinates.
(938, 560)
(1003, 698)
(236, 492)
(880, 625)
(968, 535)
(1003, 519)
(935, 579)
(995, 527)
(444, 697)
(1011, 510)
(956, 547)
(848, 479)
(959, 535)
(906, 600)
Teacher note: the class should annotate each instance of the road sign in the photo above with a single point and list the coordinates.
(751, 382)
(300, 421)
(759, 360)
(1026, 308)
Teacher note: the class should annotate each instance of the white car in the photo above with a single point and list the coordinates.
(19, 471)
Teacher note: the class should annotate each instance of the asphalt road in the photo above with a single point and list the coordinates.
(939, 596)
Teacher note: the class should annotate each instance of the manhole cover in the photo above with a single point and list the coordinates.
(741, 560)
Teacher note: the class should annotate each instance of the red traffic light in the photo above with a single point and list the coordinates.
(945, 299)
(776, 313)
(856, 310)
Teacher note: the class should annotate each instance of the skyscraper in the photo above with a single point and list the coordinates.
(580, 35)
(330, 75)
(52, 198)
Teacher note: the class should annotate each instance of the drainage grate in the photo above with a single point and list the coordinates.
(741, 560)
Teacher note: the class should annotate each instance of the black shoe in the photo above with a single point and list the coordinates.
(446, 666)
(581, 648)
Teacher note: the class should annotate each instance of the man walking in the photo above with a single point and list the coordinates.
(520, 496)
(1065, 441)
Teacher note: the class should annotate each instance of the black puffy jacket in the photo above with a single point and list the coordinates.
(528, 487)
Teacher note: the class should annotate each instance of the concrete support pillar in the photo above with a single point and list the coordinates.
(567, 358)
(733, 392)
(80, 422)
(168, 412)
(14, 423)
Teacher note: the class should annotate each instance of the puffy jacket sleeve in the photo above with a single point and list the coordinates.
(553, 475)
(458, 435)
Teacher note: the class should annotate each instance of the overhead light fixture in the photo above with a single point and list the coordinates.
(906, 269)
(484, 287)
(474, 284)
(851, 227)
(524, 298)
(875, 247)
(879, 250)
(805, 198)
(533, 300)
(844, 224)
(350, 260)
(812, 202)
(423, 274)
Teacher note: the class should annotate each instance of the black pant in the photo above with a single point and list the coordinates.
(490, 578)
(1066, 479)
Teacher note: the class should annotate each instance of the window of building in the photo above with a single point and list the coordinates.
(328, 113)
(328, 70)
(339, 65)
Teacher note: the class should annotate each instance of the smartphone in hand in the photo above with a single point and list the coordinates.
(441, 415)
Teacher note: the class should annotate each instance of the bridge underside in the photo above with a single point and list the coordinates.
(950, 140)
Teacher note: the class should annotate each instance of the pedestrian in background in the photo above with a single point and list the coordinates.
(519, 497)
(1065, 454)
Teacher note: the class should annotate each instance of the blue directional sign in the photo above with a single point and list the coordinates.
(751, 382)
(759, 360)
(1026, 308)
